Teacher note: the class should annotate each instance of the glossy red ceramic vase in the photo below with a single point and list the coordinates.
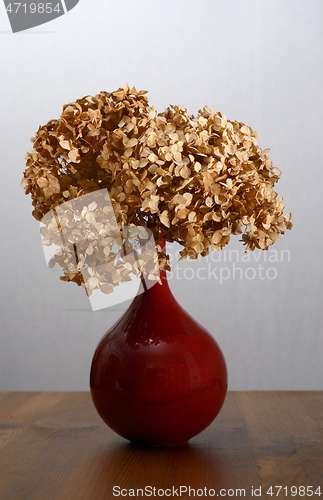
(157, 376)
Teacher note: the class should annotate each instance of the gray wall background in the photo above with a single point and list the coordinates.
(256, 61)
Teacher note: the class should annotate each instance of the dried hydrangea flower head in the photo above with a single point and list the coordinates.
(191, 179)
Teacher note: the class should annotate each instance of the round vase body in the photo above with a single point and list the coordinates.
(157, 376)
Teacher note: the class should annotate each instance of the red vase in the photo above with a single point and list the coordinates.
(157, 376)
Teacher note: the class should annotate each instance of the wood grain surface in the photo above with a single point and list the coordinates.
(54, 446)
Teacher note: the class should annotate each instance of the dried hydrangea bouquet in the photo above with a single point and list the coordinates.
(195, 180)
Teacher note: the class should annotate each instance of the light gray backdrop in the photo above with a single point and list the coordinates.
(256, 61)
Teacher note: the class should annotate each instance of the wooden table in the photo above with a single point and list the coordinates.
(54, 446)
